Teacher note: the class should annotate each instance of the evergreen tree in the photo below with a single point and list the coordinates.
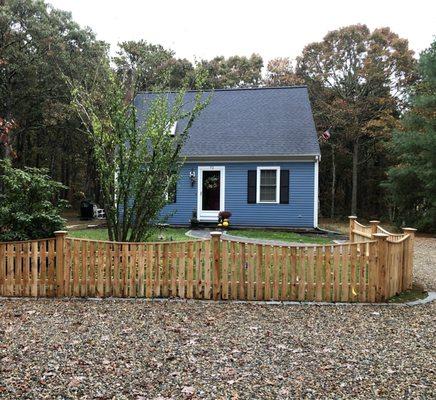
(412, 182)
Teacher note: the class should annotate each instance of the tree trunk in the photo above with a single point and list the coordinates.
(333, 188)
(354, 183)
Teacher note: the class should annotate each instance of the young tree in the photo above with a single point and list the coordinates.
(358, 81)
(29, 204)
(137, 159)
(412, 182)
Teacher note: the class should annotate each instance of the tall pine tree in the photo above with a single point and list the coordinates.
(412, 182)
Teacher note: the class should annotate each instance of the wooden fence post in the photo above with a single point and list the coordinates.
(60, 262)
(216, 251)
(374, 226)
(408, 258)
(382, 290)
(351, 219)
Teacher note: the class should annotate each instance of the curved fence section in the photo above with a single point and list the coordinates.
(370, 269)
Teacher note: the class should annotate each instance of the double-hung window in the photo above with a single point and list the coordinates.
(268, 184)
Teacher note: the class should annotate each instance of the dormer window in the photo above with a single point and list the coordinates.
(173, 128)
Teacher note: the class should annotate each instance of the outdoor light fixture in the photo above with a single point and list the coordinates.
(192, 177)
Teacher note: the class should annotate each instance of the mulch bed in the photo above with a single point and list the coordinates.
(115, 349)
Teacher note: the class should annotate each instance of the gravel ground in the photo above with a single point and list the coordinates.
(425, 262)
(115, 349)
(191, 350)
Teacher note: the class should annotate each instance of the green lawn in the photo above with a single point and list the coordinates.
(282, 236)
(169, 234)
(178, 234)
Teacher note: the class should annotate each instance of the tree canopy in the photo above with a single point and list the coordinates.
(358, 82)
(39, 46)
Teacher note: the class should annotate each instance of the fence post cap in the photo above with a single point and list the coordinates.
(216, 233)
(58, 233)
(409, 229)
(352, 217)
(380, 235)
(374, 221)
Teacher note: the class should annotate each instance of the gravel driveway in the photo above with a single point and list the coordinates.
(55, 349)
(425, 262)
(137, 350)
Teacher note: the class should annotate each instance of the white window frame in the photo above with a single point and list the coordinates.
(277, 169)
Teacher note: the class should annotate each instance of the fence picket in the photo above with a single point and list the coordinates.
(108, 287)
(242, 261)
(190, 272)
(157, 250)
(267, 252)
(353, 262)
(234, 271)
(34, 269)
(259, 270)
(276, 274)
(320, 260)
(92, 259)
(84, 288)
(345, 273)
(26, 269)
(149, 271)
(165, 278)
(328, 274)
(18, 269)
(224, 273)
(336, 273)
(301, 275)
(181, 271)
(284, 274)
(207, 270)
(100, 270)
(132, 269)
(251, 267)
(311, 277)
(362, 274)
(199, 264)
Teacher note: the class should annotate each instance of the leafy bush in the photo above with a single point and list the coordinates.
(29, 203)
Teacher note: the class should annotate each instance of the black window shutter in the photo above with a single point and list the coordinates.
(251, 187)
(172, 195)
(284, 186)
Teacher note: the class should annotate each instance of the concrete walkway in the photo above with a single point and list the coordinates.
(205, 234)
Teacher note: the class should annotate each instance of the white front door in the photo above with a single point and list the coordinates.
(210, 197)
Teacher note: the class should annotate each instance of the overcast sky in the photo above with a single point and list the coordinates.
(197, 29)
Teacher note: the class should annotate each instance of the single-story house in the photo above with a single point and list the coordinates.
(253, 152)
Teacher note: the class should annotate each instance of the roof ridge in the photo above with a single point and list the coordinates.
(225, 89)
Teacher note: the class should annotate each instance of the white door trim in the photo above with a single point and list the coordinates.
(210, 215)
(315, 195)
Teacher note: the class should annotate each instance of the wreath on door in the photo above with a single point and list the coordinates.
(211, 183)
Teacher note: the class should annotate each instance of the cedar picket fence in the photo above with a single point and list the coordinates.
(372, 267)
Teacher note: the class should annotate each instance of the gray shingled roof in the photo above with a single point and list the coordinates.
(249, 122)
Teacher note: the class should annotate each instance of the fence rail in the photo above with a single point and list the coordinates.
(369, 269)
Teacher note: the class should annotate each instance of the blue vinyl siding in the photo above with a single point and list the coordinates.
(299, 213)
